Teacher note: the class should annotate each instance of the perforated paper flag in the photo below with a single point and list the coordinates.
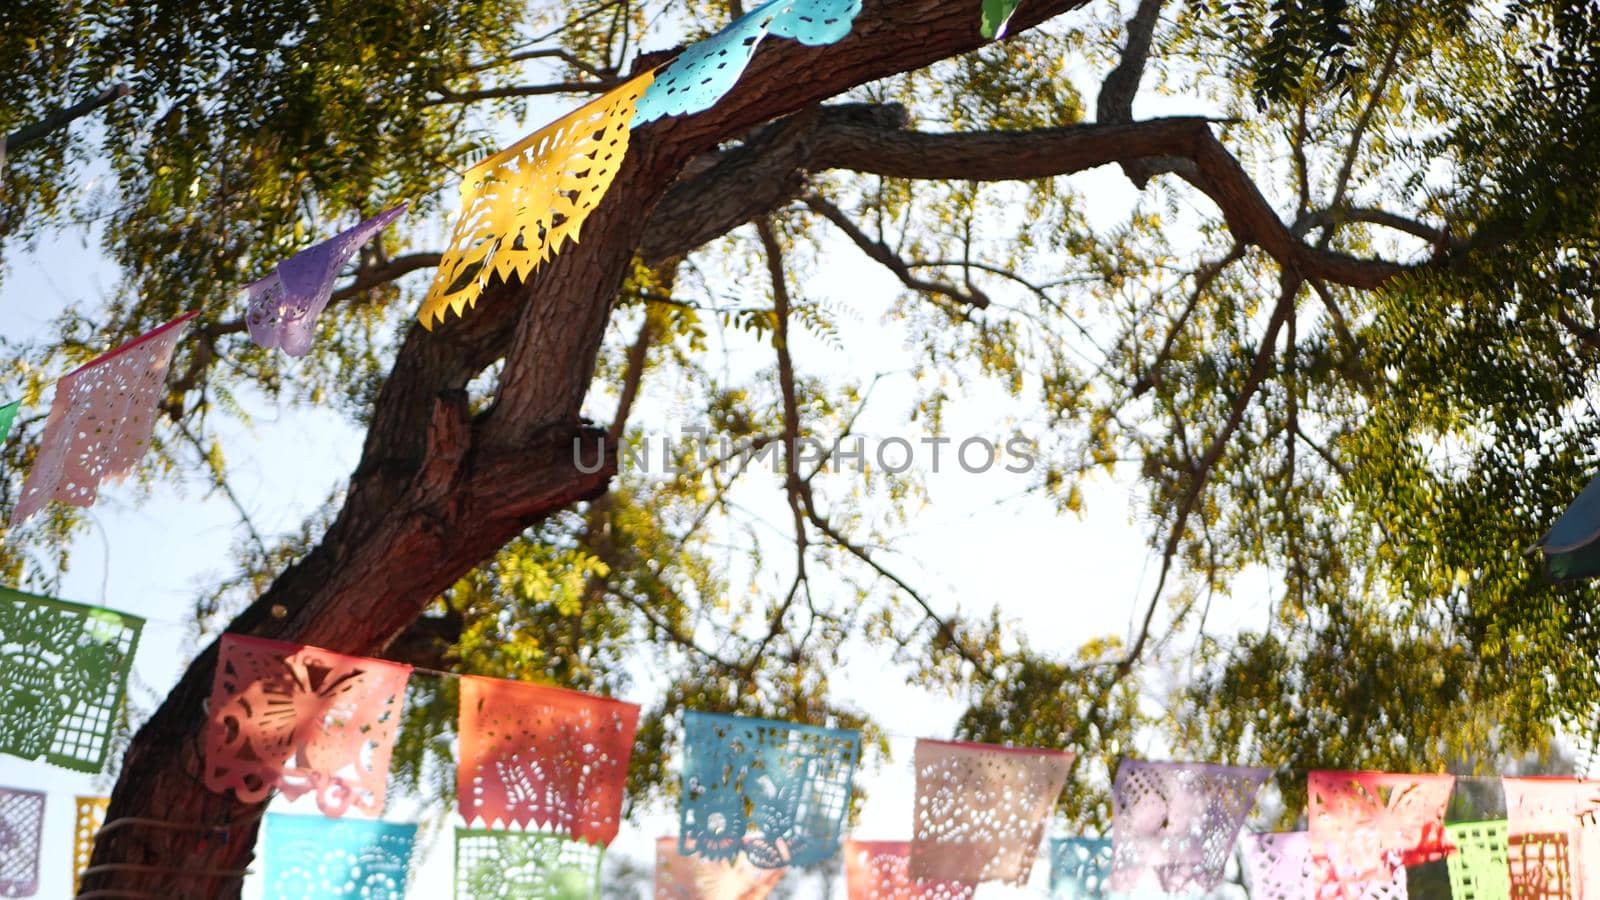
(63, 672)
(89, 813)
(777, 791)
(816, 22)
(996, 13)
(337, 859)
(1079, 868)
(1281, 868)
(1553, 839)
(8, 415)
(680, 877)
(519, 206)
(881, 870)
(283, 307)
(525, 865)
(538, 755)
(302, 720)
(1175, 823)
(1366, 825)
(707, 70)
(981, 809)
(699, 76)
(101, 421)
(1478, 867)
(21, 833)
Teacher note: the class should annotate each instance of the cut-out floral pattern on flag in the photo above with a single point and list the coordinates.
(881, 870)
(89, 813)
(981, 809)
(545, 756)
(1079, 868)
(283, 307)
(8, 415)
(64, 669)
(525, 865)
(21, 835)
(682, 877)
(337, 859)
(996, 14)
(1366, 825)
(1281, 869)
(1280, 865)
(1553, 831)
(816, 22)
(777, 791)
(519, 206)
(302, 720)
(707, 70)
(101, 421)
(1478, 867)
(1176, 823)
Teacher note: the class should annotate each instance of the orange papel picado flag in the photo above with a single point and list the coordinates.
(519, 206)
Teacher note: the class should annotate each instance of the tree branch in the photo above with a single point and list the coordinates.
(883, 255)
(61, 118)
(599, 86)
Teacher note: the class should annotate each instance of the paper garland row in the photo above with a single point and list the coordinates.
(1547, 849)
(302, 720)
(518, 208)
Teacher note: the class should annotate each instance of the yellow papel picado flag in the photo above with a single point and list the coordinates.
(519, 206)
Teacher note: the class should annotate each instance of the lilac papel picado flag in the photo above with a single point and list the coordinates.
(283, 307)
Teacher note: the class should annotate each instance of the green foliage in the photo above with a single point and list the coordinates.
(1384, 457)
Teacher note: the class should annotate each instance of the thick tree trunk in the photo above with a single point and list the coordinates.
(437, 491)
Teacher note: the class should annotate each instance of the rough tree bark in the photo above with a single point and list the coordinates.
(436, 490)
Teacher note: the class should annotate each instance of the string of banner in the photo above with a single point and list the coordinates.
(541, 770)
(541, 773)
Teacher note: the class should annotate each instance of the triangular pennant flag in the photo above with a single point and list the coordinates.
(519, 206)
(21, 838)
(777, 791)
(8, 415)
(302, 720)
(337, 859)
(1176, 823)
(996, 14)
(537, 755)
(683, 877)
(283, 307)
(981, 809)
(881, 870)
(1366, 825)
(525, 865)
(707, 70)
(63, 672)
(89, 813)
(1553, 837)
(101, 421)
(1478, 867)
(1079, 868)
